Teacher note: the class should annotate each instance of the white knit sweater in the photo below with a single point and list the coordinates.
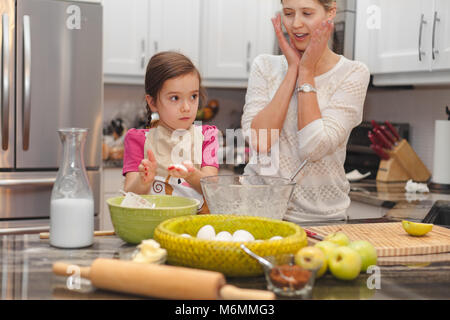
(322, 189)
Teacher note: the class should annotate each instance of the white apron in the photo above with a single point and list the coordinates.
(173, 147)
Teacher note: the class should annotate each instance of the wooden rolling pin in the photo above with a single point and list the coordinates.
(161, 281)
(46, 235)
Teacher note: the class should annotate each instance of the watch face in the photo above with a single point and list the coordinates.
(307, 88)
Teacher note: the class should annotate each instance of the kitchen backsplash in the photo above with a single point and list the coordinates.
(419, 107)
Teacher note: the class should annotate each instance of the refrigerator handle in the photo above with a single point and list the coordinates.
(26, 108)
(5, 81)
(26, 182)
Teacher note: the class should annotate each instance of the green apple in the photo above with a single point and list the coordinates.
(327, 247)
(367, 252)
(340, 238)
(345, 263)
(312, 258)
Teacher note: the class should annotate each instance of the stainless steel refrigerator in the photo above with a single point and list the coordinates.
(51, 77)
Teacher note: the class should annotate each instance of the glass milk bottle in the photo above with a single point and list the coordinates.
(72, 202)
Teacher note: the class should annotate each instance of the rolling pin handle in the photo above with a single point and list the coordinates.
(229, 292)
(65, 269)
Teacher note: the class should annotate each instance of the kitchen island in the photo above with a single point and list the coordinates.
(26, 273)
(26, 260)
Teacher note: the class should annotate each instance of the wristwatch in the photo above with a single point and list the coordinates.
(306, 88)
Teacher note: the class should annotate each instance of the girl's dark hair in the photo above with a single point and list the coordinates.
(164, 66)
(327, 4)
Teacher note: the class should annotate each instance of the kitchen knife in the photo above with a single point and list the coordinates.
(313, 235)
(380, 152)
(385, 141)
(375, 124)
(374, 139)
(393, 130)
(388, 135)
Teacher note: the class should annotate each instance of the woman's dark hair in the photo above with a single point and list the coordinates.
(164, 66)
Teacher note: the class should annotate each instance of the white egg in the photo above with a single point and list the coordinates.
(206, 232)
(224, 236)
(185, 235)
(242, 235)
(276, 238)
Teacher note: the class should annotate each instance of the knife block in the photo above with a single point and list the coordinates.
(403, 165)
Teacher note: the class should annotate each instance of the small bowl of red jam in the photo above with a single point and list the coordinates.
(288, 279)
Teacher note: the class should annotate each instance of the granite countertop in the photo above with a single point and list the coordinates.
(27, 261)
(397, 204)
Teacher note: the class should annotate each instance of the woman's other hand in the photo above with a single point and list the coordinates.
(316, 47)
(290, 52)
(147, 168)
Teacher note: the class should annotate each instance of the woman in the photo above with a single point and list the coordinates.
(313, 98)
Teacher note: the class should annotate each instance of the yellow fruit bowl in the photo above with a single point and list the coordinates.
(227, 256)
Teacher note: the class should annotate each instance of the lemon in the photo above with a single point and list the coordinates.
(416, 229)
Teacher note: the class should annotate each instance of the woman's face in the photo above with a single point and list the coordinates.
(178, 101)
(302, 17)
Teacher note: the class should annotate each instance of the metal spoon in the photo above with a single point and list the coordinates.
(299, 169)
(265, 263)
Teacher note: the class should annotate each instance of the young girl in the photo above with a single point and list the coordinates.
(171, 156)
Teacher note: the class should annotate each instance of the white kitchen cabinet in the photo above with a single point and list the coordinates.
(404, 42)
(175, 25)
(125, 33)
(234, 32)
(112, 182)
(441, 24)
(134, 31)
(394, 46)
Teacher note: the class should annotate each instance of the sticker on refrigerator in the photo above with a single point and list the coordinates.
(73, 22)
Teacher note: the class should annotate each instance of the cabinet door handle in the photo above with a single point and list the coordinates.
(249, 50)
(143, 54)
(5, 81)
(422, 22)
(435, 21)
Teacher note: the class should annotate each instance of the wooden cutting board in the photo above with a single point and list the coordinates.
(391, 240)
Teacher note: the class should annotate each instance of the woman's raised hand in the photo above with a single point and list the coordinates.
(316, 47)
(290, 52)
(147, 168)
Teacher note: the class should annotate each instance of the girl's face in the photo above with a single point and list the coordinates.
(302, 17)
(177, 102)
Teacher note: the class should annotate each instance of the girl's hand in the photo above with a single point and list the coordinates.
(316, 47)
(290, 52)
(177, 172)
(147, 168)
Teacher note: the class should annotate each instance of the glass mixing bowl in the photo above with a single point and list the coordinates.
(261, 196)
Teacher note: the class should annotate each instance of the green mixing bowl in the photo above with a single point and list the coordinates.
(136, 224)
